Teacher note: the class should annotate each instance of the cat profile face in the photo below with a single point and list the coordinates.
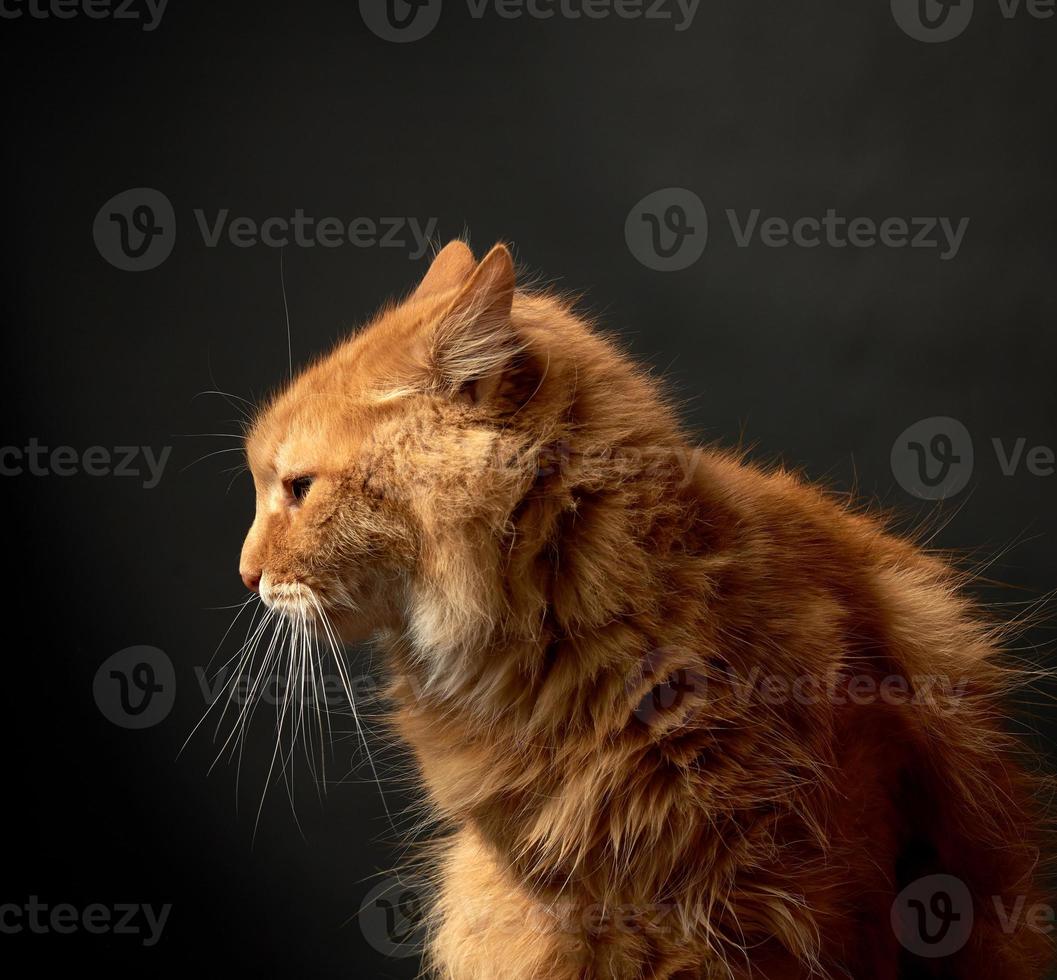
(375, 470)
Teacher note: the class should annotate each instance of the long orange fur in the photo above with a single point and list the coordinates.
(594, 628)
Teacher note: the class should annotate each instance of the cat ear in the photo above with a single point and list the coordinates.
(450, 268)
(475, 338)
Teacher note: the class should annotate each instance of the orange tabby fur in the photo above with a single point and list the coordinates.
(507, 503)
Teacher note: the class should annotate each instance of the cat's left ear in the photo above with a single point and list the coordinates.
(450, 268)
(475, 342)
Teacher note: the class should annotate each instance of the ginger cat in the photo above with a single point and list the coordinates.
(683, 717)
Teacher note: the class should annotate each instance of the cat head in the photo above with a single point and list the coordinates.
(385, 472)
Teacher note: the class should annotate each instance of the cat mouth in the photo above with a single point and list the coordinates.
(292, 598)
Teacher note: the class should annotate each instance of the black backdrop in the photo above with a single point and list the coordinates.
(546, 132)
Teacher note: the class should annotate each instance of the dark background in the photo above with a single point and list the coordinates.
(544, 133)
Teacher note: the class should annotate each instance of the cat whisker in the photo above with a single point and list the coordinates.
(280, 711)
(287, 642)
(233, 605)
(223, 394)
(286, 314)
(339, 659)
(247, 653)
(246, 417)
(238, 471)
(218, 452)
(241, 608)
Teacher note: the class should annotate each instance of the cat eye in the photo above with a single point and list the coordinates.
(298, 487)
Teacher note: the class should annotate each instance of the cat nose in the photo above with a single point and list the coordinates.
(252, 580)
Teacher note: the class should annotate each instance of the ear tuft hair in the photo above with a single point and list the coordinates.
(475, 338)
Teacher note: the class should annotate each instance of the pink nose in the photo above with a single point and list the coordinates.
(252, 580)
